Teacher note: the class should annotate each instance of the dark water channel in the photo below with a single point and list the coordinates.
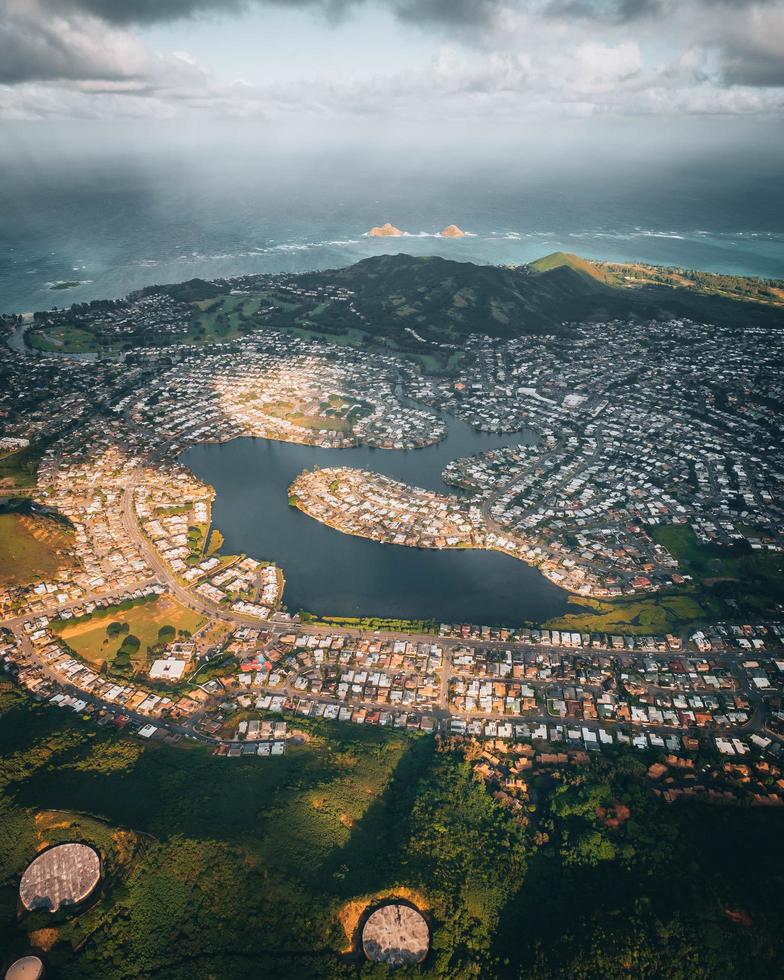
(330, 573)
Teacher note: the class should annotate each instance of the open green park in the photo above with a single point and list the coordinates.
(32, 548)
(65, 339)
(18, 470)
(124, 636)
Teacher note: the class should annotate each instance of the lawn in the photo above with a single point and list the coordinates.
(66, 339)
(18, 470)
(333, 422)
(219, 320)
(89, 639)
(657, 614)
(373, 623)
(31, 548)
(728, 582)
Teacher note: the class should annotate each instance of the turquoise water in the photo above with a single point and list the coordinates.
(119, 226)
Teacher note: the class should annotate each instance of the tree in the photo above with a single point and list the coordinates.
(130, 644)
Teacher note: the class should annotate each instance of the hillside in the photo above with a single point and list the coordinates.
(559, 260)
(747, 289)
(404, 302)
(443, 299)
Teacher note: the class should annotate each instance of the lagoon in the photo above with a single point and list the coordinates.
(330, 573)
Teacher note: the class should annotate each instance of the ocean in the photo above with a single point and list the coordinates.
(118, 224)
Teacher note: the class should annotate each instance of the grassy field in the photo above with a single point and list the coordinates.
(66, 339)
(743, 288)
(221, 319)
(31, 548)
(18, 471)
(648, 614)
(728, 582)
(89, 638)
(374, 623)
(228, 317)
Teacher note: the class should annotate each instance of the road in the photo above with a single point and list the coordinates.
(439, 709)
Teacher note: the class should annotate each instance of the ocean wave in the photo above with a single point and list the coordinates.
(644, 233)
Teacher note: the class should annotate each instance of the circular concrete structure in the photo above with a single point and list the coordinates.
(64, 875)
(396, 934)
(25, 968)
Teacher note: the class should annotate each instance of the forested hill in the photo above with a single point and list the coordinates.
(439, 297)
(400, 301)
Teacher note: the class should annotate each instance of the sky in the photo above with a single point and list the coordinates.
(371, 67)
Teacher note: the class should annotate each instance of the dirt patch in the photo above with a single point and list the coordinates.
(50, 820)
(351, 913)
(44, 939)
(740, 916)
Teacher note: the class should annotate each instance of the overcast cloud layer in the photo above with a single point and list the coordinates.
(504, 59)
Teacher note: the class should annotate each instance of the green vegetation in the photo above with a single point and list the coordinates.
(18, 470)
(196, 540)
(732, 582)
(660, 614)
(235, 868)
(132, 634)
(216, 542)
(71, 284)
(558, 260)
(65, 338)
(32, 547)
(442, 300)
(736, 579)
(222, 318)
(625, 886)
(373, 623)
(769, 292)
(412, 305)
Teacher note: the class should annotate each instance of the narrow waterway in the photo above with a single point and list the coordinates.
(331, 573)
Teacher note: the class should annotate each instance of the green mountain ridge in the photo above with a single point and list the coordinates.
(441, 298)
(407, 302)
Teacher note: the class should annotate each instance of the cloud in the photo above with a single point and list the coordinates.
(35, 45)
(504, 59)
(458, 13)
(128, 12)
(751, 45)
(608, 11)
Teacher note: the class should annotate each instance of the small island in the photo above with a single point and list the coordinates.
(387, 230)
(70, 284)
(452, 231)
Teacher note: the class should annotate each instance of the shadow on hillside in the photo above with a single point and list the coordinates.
(371, 859)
